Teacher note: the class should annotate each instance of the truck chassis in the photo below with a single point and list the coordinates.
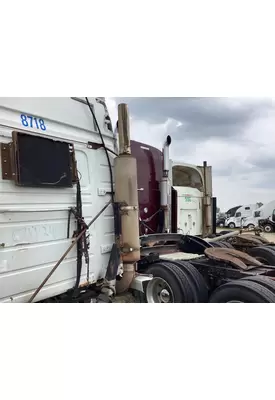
(219, 264)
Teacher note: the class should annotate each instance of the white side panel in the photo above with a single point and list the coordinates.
(34, 221)
(63, 110)
(189, 210)
(242, 216)
(267, 209)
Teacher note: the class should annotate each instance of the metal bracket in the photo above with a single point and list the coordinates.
(140, 282)
(127, 250)
(124, 209)
(7, 161)
(94, 146)
(73, 164)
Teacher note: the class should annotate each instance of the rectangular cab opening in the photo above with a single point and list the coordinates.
(36, 161)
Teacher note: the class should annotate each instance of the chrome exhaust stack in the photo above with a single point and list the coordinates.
(164, 185)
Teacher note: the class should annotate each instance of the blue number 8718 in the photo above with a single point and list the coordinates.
(33, 122)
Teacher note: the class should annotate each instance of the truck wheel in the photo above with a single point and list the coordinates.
(221, 244)
(263, 281)
(170, 284)
(242, 291)
(264, 254)
(227, 244)
(217, 244)
(231, 225)
(197, 282)
(250, 226)
(268, 228)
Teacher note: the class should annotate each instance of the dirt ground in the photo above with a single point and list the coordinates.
(269, 236)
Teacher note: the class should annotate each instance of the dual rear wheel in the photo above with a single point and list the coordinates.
(253, 289)
(176, 282)
(181, 282)
(264, 254)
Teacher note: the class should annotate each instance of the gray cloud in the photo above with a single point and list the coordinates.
(264, 180)
(262, 161)
(200, 117)
(233, 167)
(235, 136)
(263, 165)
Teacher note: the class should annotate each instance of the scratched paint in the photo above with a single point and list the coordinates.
(35, 233)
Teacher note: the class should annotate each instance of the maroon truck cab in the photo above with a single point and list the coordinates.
(149, 176)
(149, 173)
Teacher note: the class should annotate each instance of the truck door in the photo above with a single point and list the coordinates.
(238, 219)
(187, 218)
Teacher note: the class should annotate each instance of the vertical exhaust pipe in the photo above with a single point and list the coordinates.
(126, 195)
(164, 185)
(207, 223)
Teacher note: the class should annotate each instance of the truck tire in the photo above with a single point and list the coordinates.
(250, 226)
(268, 228)
(227, 245)
(170, 285)
(231, 225)
(222, 244)
(197, 282)
(242, 291)
(263, 281)
(264, 254)
(217, 244)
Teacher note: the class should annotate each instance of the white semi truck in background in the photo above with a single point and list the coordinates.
(72, 211)
(242, 217)
(265, 212)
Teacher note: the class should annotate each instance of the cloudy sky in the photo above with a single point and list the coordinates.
(234, 135)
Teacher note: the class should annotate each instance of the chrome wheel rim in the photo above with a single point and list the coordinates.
(159, 291)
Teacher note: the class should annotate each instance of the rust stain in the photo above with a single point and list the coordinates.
(234, 257)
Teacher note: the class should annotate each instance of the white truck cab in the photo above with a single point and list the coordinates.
(35, 227)
(241, 217)
(263, 212)
(194, 193)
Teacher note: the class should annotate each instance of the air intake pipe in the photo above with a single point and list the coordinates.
(164, 185)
